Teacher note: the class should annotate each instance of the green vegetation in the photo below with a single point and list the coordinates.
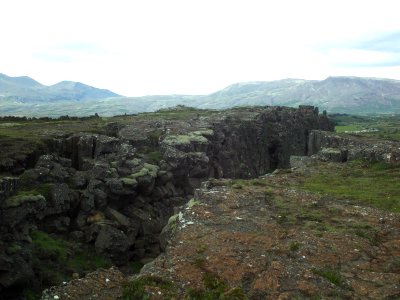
(294, 246)
(331, 274)
(147, 169)
(192, 202)
(375, 126)
(20, 199)
(372, 183)
(135, 266)
(348, 128)
(215, 289)
(55, 259)
(241, 183)
(38, 193)
(55, 247)
(138, 288)
(154, 157)
(185, 139)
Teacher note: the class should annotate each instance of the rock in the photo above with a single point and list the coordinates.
(113, 244)
(105, 284)
(78, 236)
(8, 186)
(58, 224)
(62, 200)
(302, 162)
(117, 216)
(353, 147)
(15, 271)
(79, 180)
(105, 145)
(332, 154)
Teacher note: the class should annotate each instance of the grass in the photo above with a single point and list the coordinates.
(57, 248)
(375, 184)
(30, 195)
(294, 246)
(154, 157)
(348, 128)
(85, 261)
(331, 274)
(388, 126)
(55, 259)
(241, 183)
(215, 289)
(139, 288)
(44, 189)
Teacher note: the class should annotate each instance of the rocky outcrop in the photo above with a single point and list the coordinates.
(116, 193)
(335, 147)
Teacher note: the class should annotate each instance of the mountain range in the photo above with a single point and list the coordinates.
(28, 90)
(357, 95)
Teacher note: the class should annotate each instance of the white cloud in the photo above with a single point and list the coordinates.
(184, 46)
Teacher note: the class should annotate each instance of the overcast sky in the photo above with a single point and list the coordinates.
(196, 47)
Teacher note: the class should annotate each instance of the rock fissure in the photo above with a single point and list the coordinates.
(116, 193)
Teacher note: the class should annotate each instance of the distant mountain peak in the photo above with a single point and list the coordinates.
(26, 89)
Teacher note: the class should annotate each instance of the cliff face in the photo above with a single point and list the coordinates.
(344, 147)
(116, 192)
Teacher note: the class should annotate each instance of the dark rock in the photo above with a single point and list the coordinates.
(8, 186)
(352, 147)
(113, 244)
(79, 180)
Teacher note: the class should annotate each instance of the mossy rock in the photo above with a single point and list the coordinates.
(147, 170)
(131, 182)
(193, 137)
(18, 200)
(192, 202)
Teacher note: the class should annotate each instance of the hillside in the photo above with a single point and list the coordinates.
(28, 91)
(356, 95)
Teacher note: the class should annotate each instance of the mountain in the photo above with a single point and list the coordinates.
(356, 95)
(335, 94)
(26, 90)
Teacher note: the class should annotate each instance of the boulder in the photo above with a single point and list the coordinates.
(112, 243)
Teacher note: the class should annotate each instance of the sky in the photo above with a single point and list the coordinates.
(151, 47)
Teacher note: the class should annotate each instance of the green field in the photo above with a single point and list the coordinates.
(379, 126)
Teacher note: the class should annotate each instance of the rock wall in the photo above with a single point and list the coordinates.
(105, 191)
(332, 146)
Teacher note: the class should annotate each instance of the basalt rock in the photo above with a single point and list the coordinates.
(107, 192)
(336, 147)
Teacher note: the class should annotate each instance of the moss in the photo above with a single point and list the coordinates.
(21, 199)
(174, 140)
(154, 156)
(192, 202)
(54, 246)
(375, 184)
(129, 181)
(55, 259)
(14, 248)
(215, 288)
(204, 132)
(85, 261)
(147, 169)
(140, 288)
(331, 274)
(173, 221)
(294, 246)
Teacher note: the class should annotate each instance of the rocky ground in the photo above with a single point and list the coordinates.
(79, 195)
(269, 238)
